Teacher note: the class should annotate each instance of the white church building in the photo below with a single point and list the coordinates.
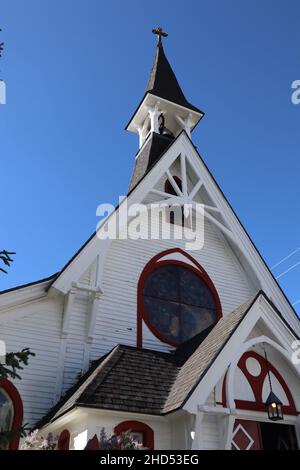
(187, 348)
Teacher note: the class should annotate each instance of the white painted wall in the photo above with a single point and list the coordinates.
(211, 437)
(92, 421)
(35, 325)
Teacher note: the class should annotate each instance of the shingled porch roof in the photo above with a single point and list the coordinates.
(145, 381)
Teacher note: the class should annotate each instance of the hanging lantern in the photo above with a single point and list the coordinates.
(273, 404)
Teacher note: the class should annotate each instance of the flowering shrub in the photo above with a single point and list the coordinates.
(122, 442)
(35, 442)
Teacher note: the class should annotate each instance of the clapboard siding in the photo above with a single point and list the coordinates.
(211, 439)
(37, 327)
(74, 353)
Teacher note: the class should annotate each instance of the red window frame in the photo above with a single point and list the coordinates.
(15, 397)
(64, 440)
(153, 264)
(137, 426)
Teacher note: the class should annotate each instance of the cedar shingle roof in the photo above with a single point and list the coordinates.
(146, 381)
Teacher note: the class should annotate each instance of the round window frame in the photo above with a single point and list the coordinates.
(152, 266)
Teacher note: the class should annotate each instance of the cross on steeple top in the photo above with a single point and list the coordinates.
(160, 33)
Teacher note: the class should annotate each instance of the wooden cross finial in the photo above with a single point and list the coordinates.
(160, 33)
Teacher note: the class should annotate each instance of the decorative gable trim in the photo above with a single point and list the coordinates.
(234, 347)
(257, 382)
(220, 214)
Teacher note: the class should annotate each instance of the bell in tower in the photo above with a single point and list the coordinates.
(163, 130)
(162, 115)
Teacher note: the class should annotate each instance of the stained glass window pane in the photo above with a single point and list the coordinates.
(163, 283)
(164, 316)
(178, 303)
(194, 320)
(6, 411)
(194, 291)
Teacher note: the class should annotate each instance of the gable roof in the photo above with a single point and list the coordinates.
(281, 301)
(145, 381)
(163, 82)
(270, 283)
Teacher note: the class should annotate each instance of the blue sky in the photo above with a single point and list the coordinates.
(75, 71)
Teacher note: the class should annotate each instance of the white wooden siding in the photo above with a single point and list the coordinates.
(211, 438)
(74, 354)
(38, 327)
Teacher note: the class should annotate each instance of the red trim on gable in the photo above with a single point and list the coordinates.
(64, 440)
(137, 426)
(256, 384)
(13, 393)
(153, 264)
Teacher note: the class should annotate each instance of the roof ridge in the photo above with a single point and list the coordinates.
(105, 373)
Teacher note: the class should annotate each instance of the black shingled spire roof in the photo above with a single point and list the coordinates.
(163, 82)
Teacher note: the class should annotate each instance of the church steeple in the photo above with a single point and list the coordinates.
(162, 81)
(164, 109)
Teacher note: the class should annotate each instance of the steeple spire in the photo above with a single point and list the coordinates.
(164, 110)
(162, 81)
(162, 115)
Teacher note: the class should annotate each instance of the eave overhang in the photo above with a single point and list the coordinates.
(149, 101)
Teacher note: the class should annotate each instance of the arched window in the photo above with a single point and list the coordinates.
(177, 301)
(139, 431)
(6, 411)
(64, 440)
(11, 410)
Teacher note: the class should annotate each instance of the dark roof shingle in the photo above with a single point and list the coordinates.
(146, 381)
(163, 82)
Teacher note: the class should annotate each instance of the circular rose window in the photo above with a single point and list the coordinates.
(177, 303)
